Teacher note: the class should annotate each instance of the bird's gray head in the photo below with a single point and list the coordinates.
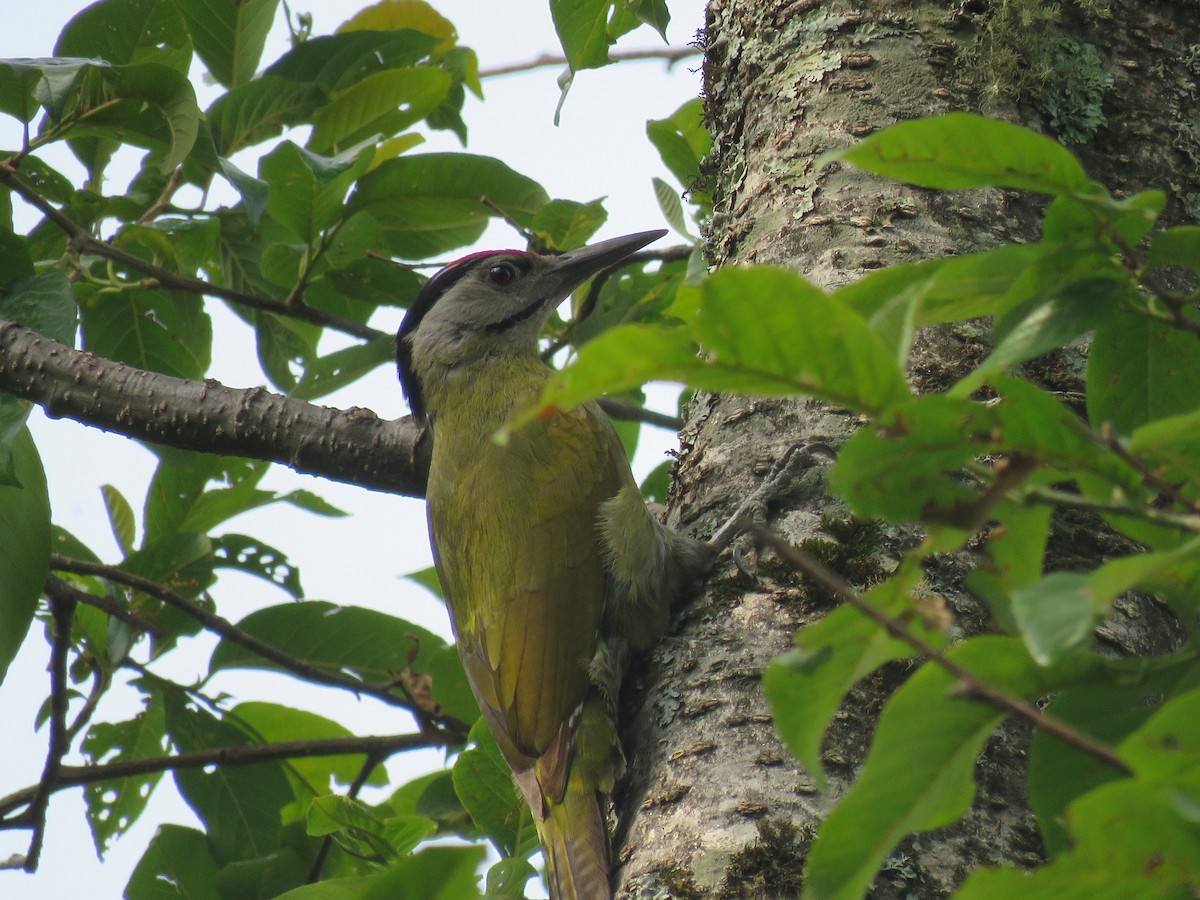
(492, 304)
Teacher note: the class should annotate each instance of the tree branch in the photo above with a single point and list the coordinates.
(971, 684)
(353, 446)
(456, 729)
(63, 612)
(84, 242)
(670, 55)
(380, 747)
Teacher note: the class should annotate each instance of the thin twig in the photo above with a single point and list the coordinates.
(84, 242)
(1050, 497)
(1107, 438)
(670, 55)
(381, 746)
(526, 235)
(63, 612)
(56, 588)
(631, 412)
(163, 203)
(230, 632)
(972, 685)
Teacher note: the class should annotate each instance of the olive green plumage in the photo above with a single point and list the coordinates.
(551, 565)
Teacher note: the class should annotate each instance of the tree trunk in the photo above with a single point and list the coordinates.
(714, 805)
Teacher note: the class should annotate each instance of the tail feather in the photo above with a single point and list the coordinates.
(574, 839)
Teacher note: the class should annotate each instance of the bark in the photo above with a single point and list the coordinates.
(714, 805)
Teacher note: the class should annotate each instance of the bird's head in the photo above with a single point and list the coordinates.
(490, 305)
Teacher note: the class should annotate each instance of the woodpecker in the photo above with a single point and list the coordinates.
(553, 568)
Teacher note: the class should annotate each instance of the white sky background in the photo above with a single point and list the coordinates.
(600, 150)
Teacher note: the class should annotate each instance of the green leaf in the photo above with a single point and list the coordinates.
(805, 686)
(1179, 246)
(114, 805)
(179, 485)
(671, 206)
(1059, 772)
(13, 414)
(437, 873)
(272, 722)
(1129, 840)
(683, 141)
(125, 32)
(429, 203)
(432, 796)
(1054, 615)
(157, 330)
(25, 550)
(229, 36)
(15, 265)
(307, 191)
(45, 303)
(259, 110)
(761, 331)
(254, 191)
(1039, 326)
(373, 645)
(240, 806)
(1167, 747)
(362, 833)
(656, 487)
(266, 876)
(654, 13)
(1014, 553)
(120, 517)
(484, 784)
(1139, 370)
(582, 27)
(919, 773)
(181, 562)
(384, 103)
(326, 374)
(428, 579)
(338, 61)
(176, 866)
(313, 503)
(962, 150)
(908, 467)
(149, 105)
(415, 15)
(566, 224)
(506, 879)
(350, 888)
(25, 82)
(252, 556)
(1060, 611)
(285, 345)
(962, 287)
(1172, 447)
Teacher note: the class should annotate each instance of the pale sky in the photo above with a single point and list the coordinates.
(600, 150)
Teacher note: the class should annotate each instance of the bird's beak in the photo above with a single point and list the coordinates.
(573, 268)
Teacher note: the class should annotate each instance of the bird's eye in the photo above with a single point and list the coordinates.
(503, 273)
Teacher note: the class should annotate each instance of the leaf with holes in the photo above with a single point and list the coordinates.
(114, 805)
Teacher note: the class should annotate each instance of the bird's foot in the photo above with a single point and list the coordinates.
(753, 510)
